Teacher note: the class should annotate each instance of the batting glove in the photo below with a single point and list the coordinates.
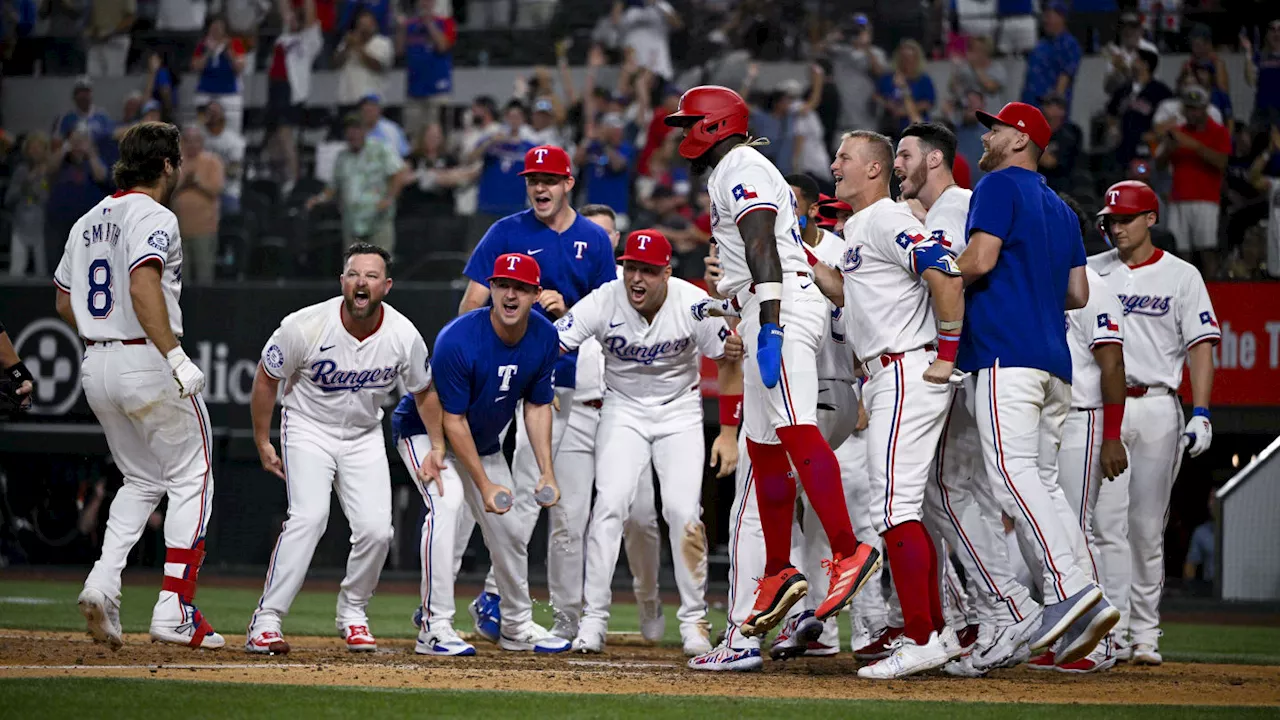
(188, 374)
(1199, 432)
(709, 307)
(769, 354)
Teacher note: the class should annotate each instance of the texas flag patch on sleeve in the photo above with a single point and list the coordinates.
(1105, 322)
(1206, 318)
(743, 191)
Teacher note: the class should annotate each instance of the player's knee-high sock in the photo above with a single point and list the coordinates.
(909, 549)
(935, 584)
(819, 472)
(776, 500)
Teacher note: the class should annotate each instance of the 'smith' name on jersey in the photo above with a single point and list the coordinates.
(645, 354)
(105, 232)
(328, 378)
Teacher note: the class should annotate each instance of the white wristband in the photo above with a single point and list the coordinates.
(769, 291)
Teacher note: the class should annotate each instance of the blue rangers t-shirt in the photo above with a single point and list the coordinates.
(478, 375)
(606, 186)
(429, 68)
(573, 262)
(1014, 313)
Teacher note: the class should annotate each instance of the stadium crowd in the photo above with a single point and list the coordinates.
(427, 176)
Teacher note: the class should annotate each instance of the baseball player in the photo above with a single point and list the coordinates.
(119, 281)
(960, 506)
(339, 360)
(755, 230)
(17, 385)
(1168, 323)
(575, 257)
(1024, 267)
(652, 414)
(488, 361)
(906, 307)
(1091, 446)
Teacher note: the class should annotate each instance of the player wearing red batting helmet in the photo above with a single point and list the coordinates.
(1127, 202)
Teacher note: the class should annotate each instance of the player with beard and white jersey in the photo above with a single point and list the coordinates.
(757, 238)
(1169, 322)
(118, 283)
(652, 414)
(960, 506)
(339, 360)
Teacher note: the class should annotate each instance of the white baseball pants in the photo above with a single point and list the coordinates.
(439, 530)
(317, 459)
(161, 443)
(1020, 412)
(1080, 477)
(793, 401)
(630, 437)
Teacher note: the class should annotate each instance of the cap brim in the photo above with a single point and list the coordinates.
(512, 278)
(544, 172)
(645, 261)
(987, 118)
(680, 120)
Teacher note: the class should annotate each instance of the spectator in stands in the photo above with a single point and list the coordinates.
(25, 198)
(185, 16)
(1262, 72)
(479, 123)
(1203, 74)
(1132, 107)
(1197, 154)
(79, 181)
(772, 121)
(87, 117)
(1053, 64)
(907, 93)
(380, 128)
(382, 12)
(219, 61)
(1201, 553)
(162, 84)
(244, 18)
(501, 189)
(196, 201)
(228, 145)
(363, 60)
(436, 174)
(605, 160)
(658, 130)
(1122, 53)
(149, 111)
(977, 71)
(644, 27)
(969, 132)
(1248, 260)
(367, 180)
(107, 33)
(811, 155)
(1170, 112)
(289, 85)
(544, 126)
(65, 24)
(855, 67)
(1267, 181)
(1059, 160)
(1017, 31)
(1201, 37)
(425, 40)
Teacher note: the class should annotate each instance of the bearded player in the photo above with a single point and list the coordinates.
(754, 226)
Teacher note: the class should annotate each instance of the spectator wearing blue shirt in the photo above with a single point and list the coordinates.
(162, 84)
(219, 61)
(1024, 267)
(380, 9)
(79, 182)
(1263, 74)
(380, 128)
(501, 188)
(426, 41)
(87, 117)
(1052, 65)
(605, 158)
(906, 94)
(487, 362)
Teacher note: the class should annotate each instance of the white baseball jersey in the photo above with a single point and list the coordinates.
(1097, 323)
(336, 380)
(120, 234)
(835, 359)
(1166, 311)
(946, 220)
(887, 303)
(589, 376)
(743, 182)
(647, 363)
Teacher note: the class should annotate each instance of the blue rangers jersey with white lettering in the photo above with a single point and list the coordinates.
(335, 380)
(650, 363)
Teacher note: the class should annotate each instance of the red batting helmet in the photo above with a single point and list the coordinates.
(712, 113)
(1130, 197)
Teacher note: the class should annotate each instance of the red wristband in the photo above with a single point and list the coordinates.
(948, 345)
(730, 409)
(1112, 418)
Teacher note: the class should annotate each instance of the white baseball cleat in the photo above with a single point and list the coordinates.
(696, 639)
(907, 658)
(102, 617)
(1008, 646)
(797, 632)
(963, 667)
(359, 639)
(565, 626)
(1146, 654)
(951, 642)
(195, 632)
(653, 625)
(442, 641)
(267, 642)
(589, 641)
(532, 637)
(728, 659)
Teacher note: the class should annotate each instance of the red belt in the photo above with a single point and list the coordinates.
(888, 359)
(1136, 391)
(134, 341)
(595, 404)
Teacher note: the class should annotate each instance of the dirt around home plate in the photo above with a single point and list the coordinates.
(623, 669)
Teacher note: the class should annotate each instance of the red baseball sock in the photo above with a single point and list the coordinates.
(776, 499)
(935, 587)
(909, 549)
(820, 475)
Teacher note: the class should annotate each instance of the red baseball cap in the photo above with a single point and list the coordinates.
(831, 207)
(518, 267)
(547, 160)
(1023, 118)
(649, 247)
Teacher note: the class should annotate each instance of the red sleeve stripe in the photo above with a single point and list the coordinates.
(1214, 338)
(153, 257)
(758, 206)
(1106, 341)
(61, 287)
